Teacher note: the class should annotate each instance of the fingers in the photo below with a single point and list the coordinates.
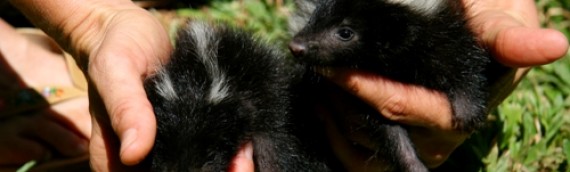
(104, 144)
(33, 136)
(74, 114)
(98, 153)
(130, 113)
(64, 140)
(523, 47)
(516, 45)
(435, 146)
(400, 102)
(428, 111)
(243, 161)
(510, 30)
(117, 67)
(20, 150)
(133, 120)
(352, 158)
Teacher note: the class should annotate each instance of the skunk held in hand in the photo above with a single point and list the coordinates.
(421, 42)
(221, 89)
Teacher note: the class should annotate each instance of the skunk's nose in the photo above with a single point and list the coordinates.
(298, 49)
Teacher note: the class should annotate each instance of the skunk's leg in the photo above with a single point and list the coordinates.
(281, 152)
(469, 109)
(397, 149)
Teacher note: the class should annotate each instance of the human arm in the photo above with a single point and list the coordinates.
(117, 44)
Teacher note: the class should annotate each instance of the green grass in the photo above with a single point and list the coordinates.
(27, 166)
(268, 19)
(534, 123)
(531, 128)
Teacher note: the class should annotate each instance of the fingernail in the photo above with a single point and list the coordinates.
(247, 150)
(128, 139)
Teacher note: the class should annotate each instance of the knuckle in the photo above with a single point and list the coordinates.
(127, 112)
(394, 107)
(352, 84)
(119, 111)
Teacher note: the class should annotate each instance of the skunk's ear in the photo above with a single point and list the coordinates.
(426, 7)
(303, 11)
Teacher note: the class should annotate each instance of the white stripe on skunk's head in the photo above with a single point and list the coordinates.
(206, 49)
(426, 7)
(163, 85)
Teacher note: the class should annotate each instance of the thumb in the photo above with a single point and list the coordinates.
(129, 112)
(243, 162)
(409, 104)
(517, 44)
(522, 46)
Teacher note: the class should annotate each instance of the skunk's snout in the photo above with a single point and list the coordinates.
(297, 48)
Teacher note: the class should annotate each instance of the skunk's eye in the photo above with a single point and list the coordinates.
(345, 34)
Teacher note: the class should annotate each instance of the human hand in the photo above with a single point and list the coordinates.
(122, 53)
(509, 28)
(103, 146)
(32, 136)
(118, 45)
(60, 130)
(243, 161)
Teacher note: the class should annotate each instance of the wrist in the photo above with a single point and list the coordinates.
(76, 25)
(83, 33)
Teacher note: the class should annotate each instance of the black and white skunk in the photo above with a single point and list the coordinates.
(221, 89)
(421, 42)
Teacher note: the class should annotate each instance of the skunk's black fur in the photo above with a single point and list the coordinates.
(436, 50)
(221, 89)
(430, 47)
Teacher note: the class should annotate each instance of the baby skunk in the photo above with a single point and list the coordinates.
(420, 42)
(221, 89)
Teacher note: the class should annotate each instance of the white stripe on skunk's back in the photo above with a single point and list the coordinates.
(206, 51)
(427, 7)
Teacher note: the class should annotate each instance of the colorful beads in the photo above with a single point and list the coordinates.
(52, 91)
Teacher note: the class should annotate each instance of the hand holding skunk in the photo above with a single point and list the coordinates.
(506, 28)
(440, 134)
(117, 44)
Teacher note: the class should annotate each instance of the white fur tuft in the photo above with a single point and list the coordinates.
(206, 50)
(427, 7)
(164, 86)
